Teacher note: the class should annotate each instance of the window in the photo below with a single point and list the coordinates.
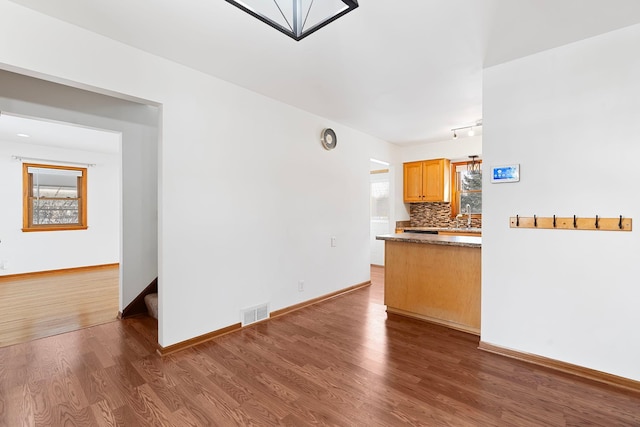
(467, 188)
(55, 197)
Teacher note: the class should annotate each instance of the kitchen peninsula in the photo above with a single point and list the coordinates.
(434, 278)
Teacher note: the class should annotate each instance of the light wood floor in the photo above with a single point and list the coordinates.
(342, 362)
(42, 305)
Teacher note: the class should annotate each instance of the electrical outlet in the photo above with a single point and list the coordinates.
(300, 285)
(333, 241)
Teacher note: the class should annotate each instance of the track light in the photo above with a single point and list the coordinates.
(471, 131)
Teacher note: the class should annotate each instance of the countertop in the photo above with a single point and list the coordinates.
(434, 239)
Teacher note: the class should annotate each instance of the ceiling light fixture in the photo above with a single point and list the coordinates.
(471, 131)
(23, 135)
(296, 18)
(473, 165)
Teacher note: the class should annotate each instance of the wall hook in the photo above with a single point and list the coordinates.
(555, 222)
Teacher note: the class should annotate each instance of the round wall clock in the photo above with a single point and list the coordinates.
(329, 139)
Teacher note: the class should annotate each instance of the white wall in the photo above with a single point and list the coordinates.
(40, 251)
(248, 197)
(453, 149)
(569, 117)
(273, 201)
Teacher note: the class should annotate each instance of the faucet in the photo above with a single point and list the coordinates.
(458, 220)
(468, 215)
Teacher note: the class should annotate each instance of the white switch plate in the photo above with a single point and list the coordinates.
(333, 241)
(300, 285)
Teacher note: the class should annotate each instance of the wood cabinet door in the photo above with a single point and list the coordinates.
(413, 182)
(435, 185)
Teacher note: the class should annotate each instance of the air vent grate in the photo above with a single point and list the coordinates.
(254, 314)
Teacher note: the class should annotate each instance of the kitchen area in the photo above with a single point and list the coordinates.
(433, 260)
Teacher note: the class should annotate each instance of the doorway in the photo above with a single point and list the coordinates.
(138, 123)
(379, 185)
(57, 278)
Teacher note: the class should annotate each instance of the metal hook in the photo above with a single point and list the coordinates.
(620, 223)
(535, 221)
(554, 221)
(575, 225)
(597, 226)
(517, 221)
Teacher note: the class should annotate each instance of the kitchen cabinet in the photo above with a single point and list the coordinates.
(427, 181)
(434, 278)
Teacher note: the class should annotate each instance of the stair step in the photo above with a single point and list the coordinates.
(151, 300)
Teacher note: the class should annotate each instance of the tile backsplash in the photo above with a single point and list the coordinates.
(435, 214)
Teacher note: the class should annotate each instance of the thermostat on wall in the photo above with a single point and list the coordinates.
(506, 173)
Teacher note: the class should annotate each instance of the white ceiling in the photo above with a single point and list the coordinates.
(406, 71)
(56, 134)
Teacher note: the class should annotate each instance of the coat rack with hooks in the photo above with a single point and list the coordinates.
(572, 223)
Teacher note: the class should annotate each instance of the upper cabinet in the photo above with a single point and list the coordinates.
(427, 181)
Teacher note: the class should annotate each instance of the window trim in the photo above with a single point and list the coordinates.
(27, 206)
(455, 209)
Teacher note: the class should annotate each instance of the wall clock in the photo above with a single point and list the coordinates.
(329, 139)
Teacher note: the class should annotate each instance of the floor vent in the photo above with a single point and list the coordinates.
(254, 314)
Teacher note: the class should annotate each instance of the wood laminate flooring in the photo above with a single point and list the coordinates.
(41, 305)
(342, 362)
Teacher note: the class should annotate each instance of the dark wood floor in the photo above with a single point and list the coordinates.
(342, 362)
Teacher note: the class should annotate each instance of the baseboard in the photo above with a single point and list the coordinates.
(163, 351)
(579, 371)
(319, 299)
(182, 345)
(138, 306)
(57, 272)
(447, 323)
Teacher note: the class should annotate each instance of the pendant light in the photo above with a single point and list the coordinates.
(473, 165)
(296, 18)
